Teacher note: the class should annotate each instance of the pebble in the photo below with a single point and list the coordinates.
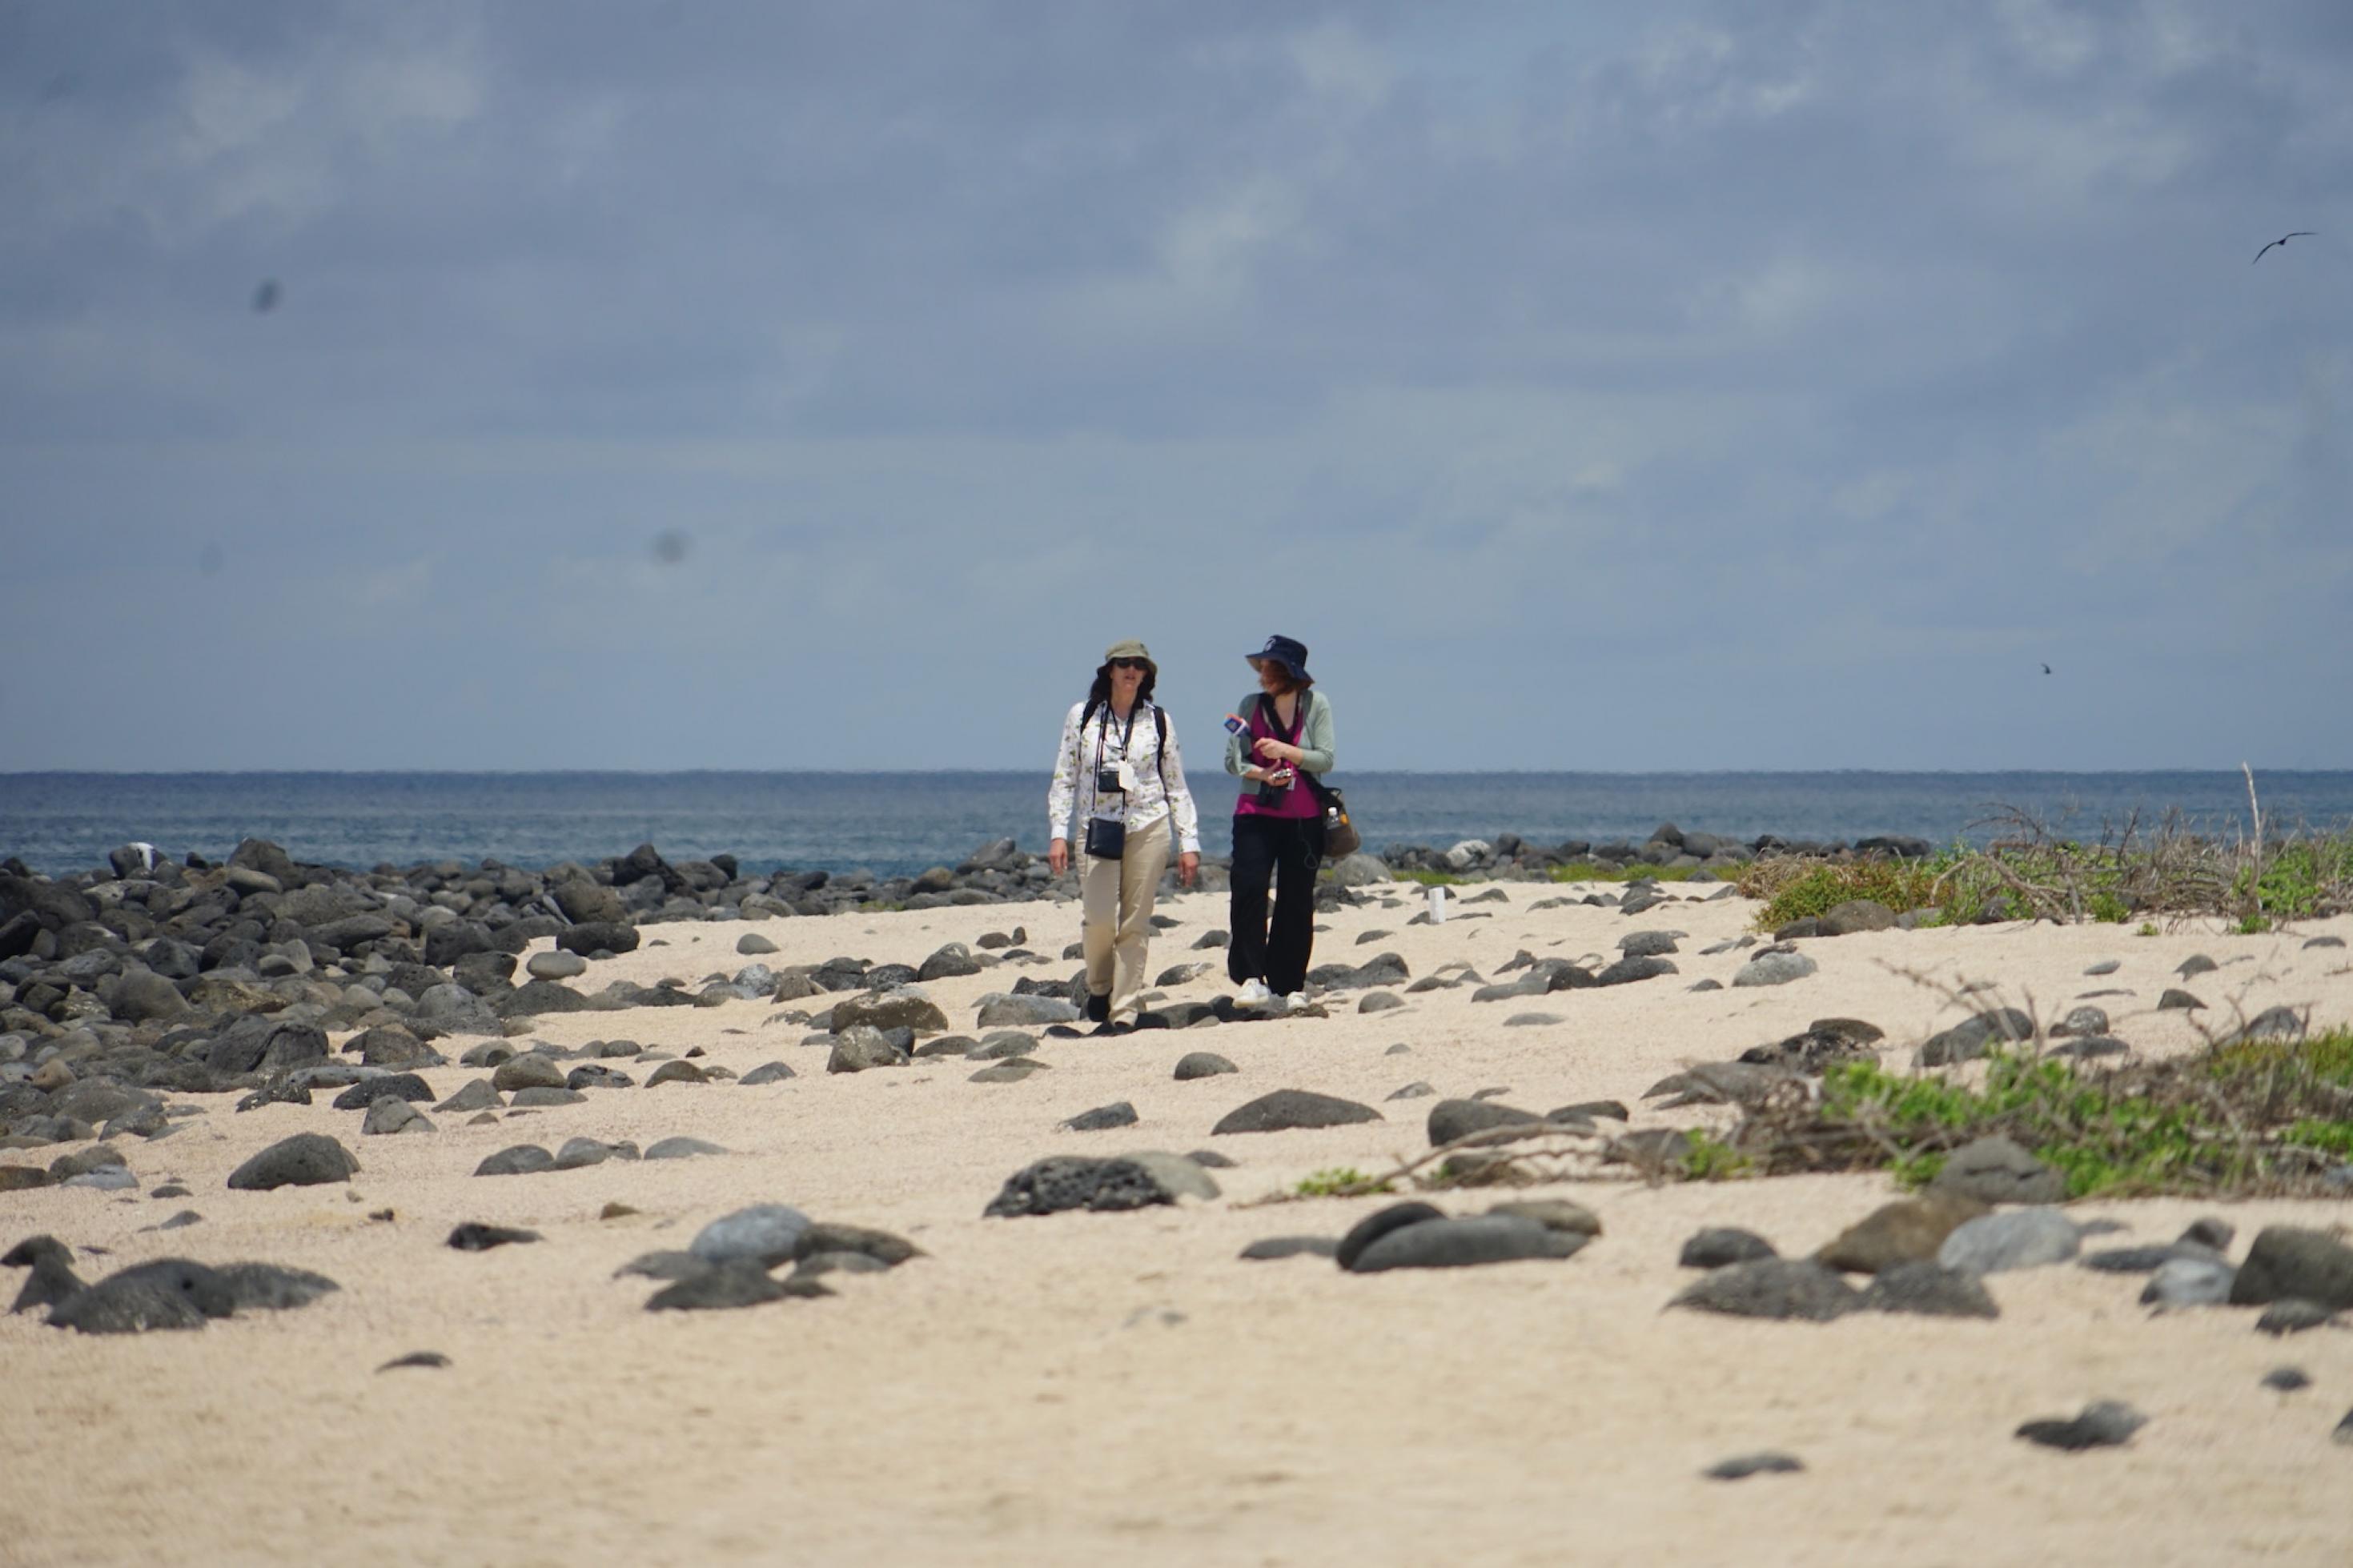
(1103, 1118)
(476, 1237)
(1764, 1462)
(417, 1358)
(2105, 1423)
(1202, 1063)
(2287, 1379)
(1271, 1247)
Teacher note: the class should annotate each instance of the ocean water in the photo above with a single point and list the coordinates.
(902, 822)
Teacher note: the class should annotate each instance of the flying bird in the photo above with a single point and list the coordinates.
(2046, 670)
(265, 299)
(2283, 239)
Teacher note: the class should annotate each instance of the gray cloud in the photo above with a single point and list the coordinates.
(1705, 385)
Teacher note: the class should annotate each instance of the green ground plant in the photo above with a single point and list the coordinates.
(2239, 1119)
(2254, 882)
(1339, 1182)
(1596, 872)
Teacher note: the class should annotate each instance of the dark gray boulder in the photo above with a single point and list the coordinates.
(740, 1283)
(1855, 915)
(1928, 1290)
(1995, 1170)
(1103, 1118)
(1287, 1109)
(765, 1234)
(1450, 1120)
(2103, 1424)
(1627, 971)
(305, 1160)
(592, 937)
(2289, 1261)
(476, 1237)
(384, 1086)
(1195, 1065)
(1380, 1223)
(521, 1160)
(1721, 1246)
(1066, 1182)
(889, 1010)
(1776, 1288)
(267, 1286)
(682, 1147)
(52, 1279)
(170, 1293)
(1466, 1243)
(1972, 1037)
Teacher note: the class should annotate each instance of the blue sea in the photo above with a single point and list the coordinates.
(902, 822)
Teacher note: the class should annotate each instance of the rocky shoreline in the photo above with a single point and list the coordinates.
(167, 968)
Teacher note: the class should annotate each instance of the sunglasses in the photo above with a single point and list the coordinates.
(1130, 664)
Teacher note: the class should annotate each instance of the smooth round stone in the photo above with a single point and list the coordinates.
(555, 966)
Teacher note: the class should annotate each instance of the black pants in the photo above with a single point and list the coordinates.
(1283, 850)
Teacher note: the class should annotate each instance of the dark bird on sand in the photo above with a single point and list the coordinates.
(52, 1280)
(2283, 239)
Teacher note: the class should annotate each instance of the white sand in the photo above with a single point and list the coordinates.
(1121, 1387)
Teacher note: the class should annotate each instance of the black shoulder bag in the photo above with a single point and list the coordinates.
(1340, 836)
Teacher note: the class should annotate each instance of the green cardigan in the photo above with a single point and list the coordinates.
(1314, 741)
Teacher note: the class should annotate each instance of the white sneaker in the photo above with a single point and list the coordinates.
(1295, 1000)
(1254, 993)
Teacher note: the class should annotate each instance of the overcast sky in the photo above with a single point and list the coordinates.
(823, 386)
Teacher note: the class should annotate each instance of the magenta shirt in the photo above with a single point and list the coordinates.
(1298, 802)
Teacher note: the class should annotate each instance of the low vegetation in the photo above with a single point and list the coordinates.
(1339, 1182)
(2239, 1119)
(2031, 873)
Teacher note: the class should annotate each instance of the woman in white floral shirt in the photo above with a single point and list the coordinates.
(1119, 791)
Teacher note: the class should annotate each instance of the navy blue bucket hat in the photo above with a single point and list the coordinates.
(1288, 652)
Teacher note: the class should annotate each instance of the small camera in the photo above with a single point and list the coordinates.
(1107, 781)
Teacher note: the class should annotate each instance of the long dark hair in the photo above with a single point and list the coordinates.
(1098, 694)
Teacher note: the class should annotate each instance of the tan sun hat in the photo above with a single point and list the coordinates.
(1131, 648)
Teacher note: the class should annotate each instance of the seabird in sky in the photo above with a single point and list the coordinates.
(2283, 239)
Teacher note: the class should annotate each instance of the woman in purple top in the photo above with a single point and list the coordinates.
(1285, 731)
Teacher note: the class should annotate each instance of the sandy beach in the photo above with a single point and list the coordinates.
(1084, 1387)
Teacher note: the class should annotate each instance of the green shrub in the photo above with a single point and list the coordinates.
(1338, 1182)
(1802, 889)
(1709, 1159)
(1594, 871)
(2251, 1117)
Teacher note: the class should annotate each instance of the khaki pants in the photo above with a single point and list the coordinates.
(1119, 895)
